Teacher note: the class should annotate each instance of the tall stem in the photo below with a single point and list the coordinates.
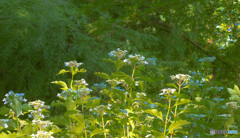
(179, 90)
(105, 135)
(127, 127)
(166, 121)
(71, 81)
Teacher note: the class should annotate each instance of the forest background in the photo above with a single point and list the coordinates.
(37, 37)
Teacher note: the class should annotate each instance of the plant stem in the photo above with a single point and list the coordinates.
(166, 122)
(105, 135)
(127, 127)
(71, 81)
(134, 68)
(179, 90)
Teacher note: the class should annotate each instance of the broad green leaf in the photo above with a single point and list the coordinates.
(119, 75)
(61, 83)
(182, 101)
(81, 70)
(155, 113)
(28, 129)
(129, 111)
(231, 91)
(172, 85)
(93, 103)
(142, 85)
(62, 71)
(78, 117)
(4, 110)
(102, 75)
(118, 64)
(16, 106)
(97, 131)
(60, 120)
(70, 104)
(236, 89)
(177, 125)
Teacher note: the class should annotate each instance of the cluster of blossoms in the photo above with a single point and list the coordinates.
(38, 116)
(100, 85)
(207, 59)
(101, 109)
(167, 91)
(38, 106)
(81, 82)
(42, 134)
(152, 61)
(141, 94)
(73, 64)
(233, 105)
(3, 123)
(118, 53)
(10, 96)
(115, 82)
(135, 59)
(180, 77)
(215, 88)
(83, 92)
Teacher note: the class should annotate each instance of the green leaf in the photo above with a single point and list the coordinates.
(172, 85)
(4, 110)
(182, 101)
(118, 64)
(61, 83)
(236, 89)
(81, 70)
(78, 117)
(155, 112)
(60, 120)
(97, 131)
(142, 85)
(62, 71)
(102, 75)
(70, 104)
(177, 125)
(27, 130)
(78, 128)
(16, 106)
(231, 91)
(119, 75)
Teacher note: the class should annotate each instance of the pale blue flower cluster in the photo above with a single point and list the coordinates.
(73, 64)
(3, 122)
(138, 59)
(215, 88)
(83, 92)
(152, 61)
(100, 85)
(11, 95)
(118, 53)
(207, 59)
(38, 106)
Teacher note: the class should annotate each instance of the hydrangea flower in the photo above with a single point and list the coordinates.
(73, 64)
(180, 77)
(152, 61)
(207, 59)
(81, 82)
(167, 91)
(115, 82)
(101, 85)
(83, 92)
(135, 59)
(140, 94)
(42, 134)
(11, 95)
(118, 53)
